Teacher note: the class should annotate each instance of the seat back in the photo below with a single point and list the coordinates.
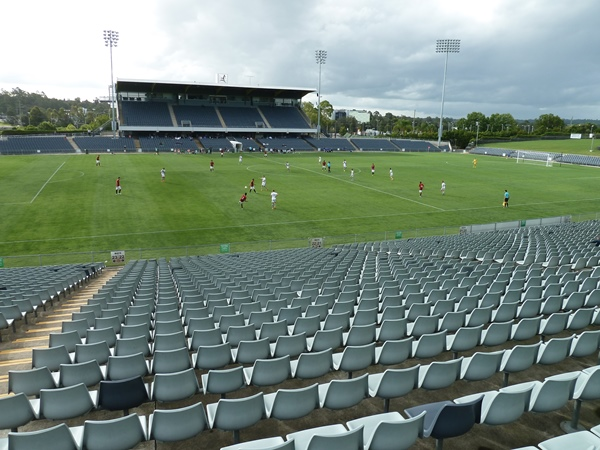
(170, 387)
(340, 394)
(55, 438)
(171, 425)
(350, 440)
(30, 382)
(15, 411)
(313, 364)
(65, 403)
(287, 404)
(123, 432)
(122, 394)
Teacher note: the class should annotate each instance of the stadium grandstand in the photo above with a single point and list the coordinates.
(478, 340)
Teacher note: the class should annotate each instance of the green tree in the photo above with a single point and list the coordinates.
(548, 123)
(36, 117)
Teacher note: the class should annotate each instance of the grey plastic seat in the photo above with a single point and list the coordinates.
(58, 437)
(236, 334)
(89, 373)
(51, 357)
(587, 388)
(392, 329)
(324, 339)
(236, 414)
(465, 339)
(393, 383)
(481, 365)
(519, 358)
(171, 341)
(446, 419)
(30, 382)
(170, 387)
(580, 319)
(586, 343)
(128, 366)
(354, 358)
(131, 346)
(268, 372)
(394, 352)
(16, 411)
(503, 406)
(578, 439)
(272, 330)
(333, 321)
(289, 345)
(555, 350)
(439, 374)
(170, 361)
(168, 326)
(68, 338)
(327, 437)
(389, 430)
(94, 351)
(526, 328)
(107, 335)
(360, 334)
(205, 337)
(312, 365)
(67, 402)
(429, 345)
(117, 434)
(340, 394)
(249, 351)
(553, 324)
(553, 393)
(80, 326)
(223, 381)
(271, 443)
(307, 324)
(287, 404)
(132, 331)
(212, 356)
(174, 425)
(496, 333)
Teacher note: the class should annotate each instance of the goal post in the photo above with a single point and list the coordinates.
(537, 158)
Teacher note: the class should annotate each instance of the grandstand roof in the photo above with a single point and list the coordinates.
(193, 88)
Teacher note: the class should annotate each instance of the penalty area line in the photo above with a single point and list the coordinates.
(47, 181)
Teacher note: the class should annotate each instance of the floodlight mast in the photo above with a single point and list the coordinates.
(111, 38)
(321, 57)
(445, 46)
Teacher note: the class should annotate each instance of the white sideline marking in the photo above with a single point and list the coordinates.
(47, 181)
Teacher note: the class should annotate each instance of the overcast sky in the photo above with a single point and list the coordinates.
(523, 57)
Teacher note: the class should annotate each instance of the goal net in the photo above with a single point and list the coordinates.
(538, 158)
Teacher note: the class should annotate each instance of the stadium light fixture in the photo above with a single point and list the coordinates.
(321, 57)
(446, 46)
(477, 135)
(111, 38)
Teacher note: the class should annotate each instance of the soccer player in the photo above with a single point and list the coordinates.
(118, 186)
(421, 187)
(252, 187)
(506, 198)
(263, 183)
(212, 165)
(475, 163)
(287, 166)
(98, 160)
(274, 199)
(240, 159)
(352, 174)
(163, 174)
(243, 198)
(391, 174)
(344, 165)
(373, 169)
(443, 188)
(329, 166)
(324, 165)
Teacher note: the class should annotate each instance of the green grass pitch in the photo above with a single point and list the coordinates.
(64, 203)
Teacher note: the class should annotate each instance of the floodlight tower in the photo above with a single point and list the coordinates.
(592, 135)
(321, 57)
(111, 38)
(477, 135)
(445, 46)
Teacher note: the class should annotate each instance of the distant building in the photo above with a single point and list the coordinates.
(360, 116)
